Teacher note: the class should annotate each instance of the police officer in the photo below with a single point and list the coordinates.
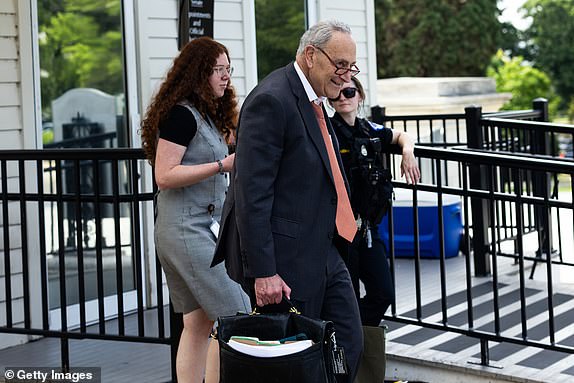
(362, 145)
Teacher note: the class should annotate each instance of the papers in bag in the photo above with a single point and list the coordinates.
(267, 348)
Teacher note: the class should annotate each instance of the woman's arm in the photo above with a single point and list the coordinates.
(170, 173)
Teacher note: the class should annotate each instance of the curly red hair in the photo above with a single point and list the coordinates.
(187, 79)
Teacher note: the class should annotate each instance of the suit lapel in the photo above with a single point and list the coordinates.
(309, 117)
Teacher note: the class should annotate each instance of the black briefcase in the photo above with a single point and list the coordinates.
(312, 365)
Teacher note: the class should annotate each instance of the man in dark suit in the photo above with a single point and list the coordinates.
(287, 201)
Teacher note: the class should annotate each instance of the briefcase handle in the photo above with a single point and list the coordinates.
(285, 306)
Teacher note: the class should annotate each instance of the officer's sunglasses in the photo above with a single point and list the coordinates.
(347, 92)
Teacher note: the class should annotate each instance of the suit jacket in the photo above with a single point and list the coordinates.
(279, 214)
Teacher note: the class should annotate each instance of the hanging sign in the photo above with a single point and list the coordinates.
(200, 18)
(196, 20)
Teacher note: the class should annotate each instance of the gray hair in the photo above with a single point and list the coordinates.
(320, 34)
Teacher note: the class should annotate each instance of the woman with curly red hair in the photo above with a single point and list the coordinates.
(185, 135)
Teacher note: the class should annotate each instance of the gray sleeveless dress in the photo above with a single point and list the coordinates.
(184, 242)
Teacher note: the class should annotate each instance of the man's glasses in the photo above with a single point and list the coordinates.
(222, 70)
(353, 69)
(349, 92)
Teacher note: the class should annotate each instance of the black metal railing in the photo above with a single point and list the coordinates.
(503, 202)
(518, 200)
(90, 195)
(435, 130)
(519, 132)
(73, 219)
(448, 130)
(530, 136)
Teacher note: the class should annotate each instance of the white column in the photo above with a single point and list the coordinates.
(360, 16)
(250, 44)
(311, 12)
(371, 53)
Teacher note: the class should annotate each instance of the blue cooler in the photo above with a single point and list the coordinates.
(428, 224)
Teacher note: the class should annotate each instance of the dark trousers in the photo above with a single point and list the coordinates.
(370, 265)
(335, 301)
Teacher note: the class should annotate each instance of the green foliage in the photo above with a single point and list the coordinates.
(435, 38)
(514, 75)
(570, 112)
(47, 136)
(280, 25)
(95, 7)
(80, 46)
(550, 37)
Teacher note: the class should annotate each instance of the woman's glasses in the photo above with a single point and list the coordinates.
(349, 92)
(223, 70)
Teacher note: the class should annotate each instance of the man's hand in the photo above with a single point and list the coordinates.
(270, 290)
(227, 162)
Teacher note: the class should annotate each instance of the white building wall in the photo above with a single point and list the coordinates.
(18, 120)
(10, 138)
(360, 15)
(10, 99)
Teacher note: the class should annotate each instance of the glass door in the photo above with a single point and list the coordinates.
(277, 42)
(84, 88)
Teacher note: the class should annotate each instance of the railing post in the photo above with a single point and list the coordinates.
(541, 104)
(479, 206)
(65, 353)
(541, 183)
(484, 352)
(484, 355)
(175, 329)
(378, 114)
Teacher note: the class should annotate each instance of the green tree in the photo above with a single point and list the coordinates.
(435, 38)
(512, 41)
(280, 24)
(550, 41)
(80, 46)
(524, 82)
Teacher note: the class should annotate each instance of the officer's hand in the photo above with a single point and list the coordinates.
(410, 168)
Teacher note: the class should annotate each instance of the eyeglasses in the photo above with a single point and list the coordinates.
(353, 69)
(222, 70)
(349, 92)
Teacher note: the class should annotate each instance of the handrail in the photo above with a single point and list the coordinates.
(515, 114)
(75, 142)
(516, 124)
(409, 117)
(73, 153)
(486, 157)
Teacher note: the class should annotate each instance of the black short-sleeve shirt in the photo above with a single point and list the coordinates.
(179, 127)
